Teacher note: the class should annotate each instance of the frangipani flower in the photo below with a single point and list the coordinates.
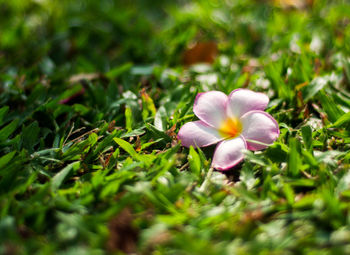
(236, 122)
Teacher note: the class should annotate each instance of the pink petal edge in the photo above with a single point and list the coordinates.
(229, 153)
(241, 101)
(198, 134)
(257, 127)
(210, 107)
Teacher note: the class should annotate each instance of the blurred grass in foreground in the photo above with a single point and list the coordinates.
(93, 93)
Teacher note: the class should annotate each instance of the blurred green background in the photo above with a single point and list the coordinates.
(95, 35)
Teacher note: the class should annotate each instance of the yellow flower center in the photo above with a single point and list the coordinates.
(230, 128)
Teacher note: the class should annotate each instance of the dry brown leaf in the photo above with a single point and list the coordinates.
(254, 215)
(299, 4)
(84, 76)
(122, 235)
(171, 132)
(138, 144)
(200, 52)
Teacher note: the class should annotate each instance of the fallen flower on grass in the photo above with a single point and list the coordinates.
(236, 122)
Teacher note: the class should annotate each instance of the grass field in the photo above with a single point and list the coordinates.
(93, 94)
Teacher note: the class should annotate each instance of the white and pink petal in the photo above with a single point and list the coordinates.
(210, 107)
(260, 127)
(241, 101)
(198, 134)
(229, 153)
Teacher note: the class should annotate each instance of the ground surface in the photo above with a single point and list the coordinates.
(94, 92)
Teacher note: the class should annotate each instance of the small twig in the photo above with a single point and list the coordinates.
(78, 130)
(72, 133)
(87, 133)
(183, 167)
(69, 134)
(307, 175)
